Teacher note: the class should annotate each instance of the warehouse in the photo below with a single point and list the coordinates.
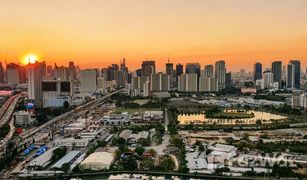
(43, 160)
(69, 142)
(98, 161)
(68, 158)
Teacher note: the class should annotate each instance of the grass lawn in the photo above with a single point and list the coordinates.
(130, 110)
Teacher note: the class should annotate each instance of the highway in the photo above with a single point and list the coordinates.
(7, 113)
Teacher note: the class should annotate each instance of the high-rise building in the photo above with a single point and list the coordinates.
(277, 72)
(160, 82)
(169, 69)
(220, 73)
(297, 73)
(148, 68)
(207, 84)
(188, 82)
(72, 70)
(12, 73)
(1, 73)
(290, 82)
(88, 80)
(267, 78)
(179, 69)
(228, 80)
(257, 71)
(208, 71)
(192, 68)
(61, 73)
(34, 74)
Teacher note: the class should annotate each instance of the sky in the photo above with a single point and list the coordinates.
(96, 33)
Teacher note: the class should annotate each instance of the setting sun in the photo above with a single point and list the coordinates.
(30, 59)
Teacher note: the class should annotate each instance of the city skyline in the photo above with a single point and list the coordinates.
(235, 31)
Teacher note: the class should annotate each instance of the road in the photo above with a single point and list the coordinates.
(6, 116)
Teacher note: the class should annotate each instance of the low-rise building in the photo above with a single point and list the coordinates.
(24, 119)
(115, 119)
(98, 161)
(70, 142)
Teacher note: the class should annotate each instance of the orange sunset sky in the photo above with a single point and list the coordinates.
(96, 33)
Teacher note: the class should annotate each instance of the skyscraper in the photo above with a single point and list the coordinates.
(148, 68)
(220, 73)
(88, 80)
(297, 73)
(160, 82)
(208, 71)
(257, 71)
(12, 73)
(1, 73)
(169, 69)
(34, 74)
(179, 69)
(267, 78)
(277, 72)
(290, 82)
(193, 68)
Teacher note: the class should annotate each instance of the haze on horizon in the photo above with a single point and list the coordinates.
(97, 33)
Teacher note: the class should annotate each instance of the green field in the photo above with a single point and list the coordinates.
(141, 101)
(130, 110)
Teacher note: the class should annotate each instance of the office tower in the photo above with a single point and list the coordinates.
(112, 72)
(193, 68)
(61, 73)
(1, 73)
(56, 92)
(137, 84)
(160, 82)
(121, 78)
(12, 73)
(257, 71)
(228, 80)
(138, 72)
(179, 69)
(148, 68)
(220, 74)
(267, 78)
(34, 74)
(277, 73)
(207, 84)
(72, 70)
(290, 82)
(297, 73)
(169, 69)
(208, 71)
(88, 80)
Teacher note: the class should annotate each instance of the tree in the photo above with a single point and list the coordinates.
(58, 153)
(143, 142)
(147, 164)
(152, 152)
(65, 167)
(167, 163)
(139, 150)
(66, 105)
(129, 163)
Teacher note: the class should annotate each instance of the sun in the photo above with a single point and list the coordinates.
(30, 59)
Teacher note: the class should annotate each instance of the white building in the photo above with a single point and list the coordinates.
(88, 80)
(70, 142)
(115, 119)
(208, 84)
(97, 161)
